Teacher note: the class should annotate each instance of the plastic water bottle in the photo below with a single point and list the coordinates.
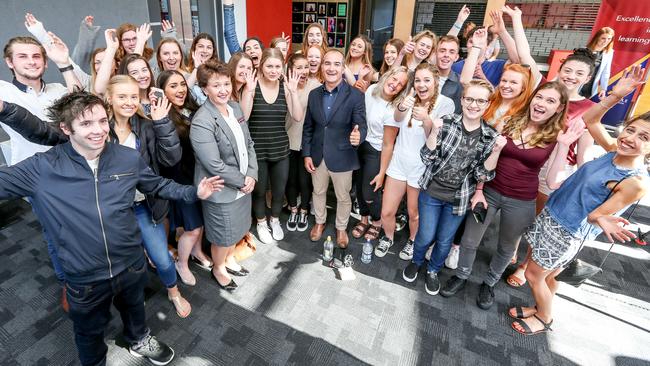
(328, 249)
(366, 252)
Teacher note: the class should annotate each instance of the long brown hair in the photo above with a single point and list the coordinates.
(367, 54)
(305, 43)
(395, 42)
(434, 98)
(232, 65)
(594, 40)
(129, 59)
(189, 104)
(519, 102)
(182, 65)
(547, 133)
(121, 52)
(200, 36)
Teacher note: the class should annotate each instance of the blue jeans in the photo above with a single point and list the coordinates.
(90, 311)
(51, 250)
(155, 242)
(229, 29)
(437, 222)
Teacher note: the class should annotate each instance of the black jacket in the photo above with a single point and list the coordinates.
(89, 216)
(158, 142)
(329, 138)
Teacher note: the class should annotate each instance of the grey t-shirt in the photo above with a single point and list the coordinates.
(444, 185)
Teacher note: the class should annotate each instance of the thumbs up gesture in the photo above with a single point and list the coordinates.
(409, 47)
(355, 136)
(409, 101)
(421, 113)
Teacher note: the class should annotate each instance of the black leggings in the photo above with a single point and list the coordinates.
(299, 182)
(369, 201)
(278, 172)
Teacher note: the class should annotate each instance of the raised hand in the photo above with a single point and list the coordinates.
(160, 108)
(251, 81)
(613, 228)
(631, 79)
(499, 143)
(573, 132)
(287, 40)
(143, 33)
(209, 185)
(167, 26)
(421, 113)
(497, 21)
(291, 82)
(512, 13)
(88, 20)
(409, 47)
(479, 39)
(463, 14)
(110, 35)
(409, 101)
(31, 21)
(198, 58)
(365, 70)
(57, 51)
(355, 136)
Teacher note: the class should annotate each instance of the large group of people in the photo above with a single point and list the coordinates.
(172, 143)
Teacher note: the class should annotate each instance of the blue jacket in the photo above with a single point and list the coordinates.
(329, 139)
(89, 216)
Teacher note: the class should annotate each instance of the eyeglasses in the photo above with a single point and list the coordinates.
(129, 40)
(479, 102)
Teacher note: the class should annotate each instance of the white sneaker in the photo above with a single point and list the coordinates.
(264, 233)
(276, 228)
(452, 259)
(407, 252)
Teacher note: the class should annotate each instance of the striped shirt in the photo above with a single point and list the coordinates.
(267, 126)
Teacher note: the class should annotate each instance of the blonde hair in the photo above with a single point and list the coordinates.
(384, 78)
(110, 88)
(547, 133)
(424, 34)
(267, 54)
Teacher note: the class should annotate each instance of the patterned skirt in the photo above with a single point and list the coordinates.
(552, 245)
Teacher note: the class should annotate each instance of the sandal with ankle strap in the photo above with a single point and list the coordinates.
(527, 330)
(519, 312)
(373, 232)
(359, 229)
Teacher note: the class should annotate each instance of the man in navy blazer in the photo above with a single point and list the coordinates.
(335, 125)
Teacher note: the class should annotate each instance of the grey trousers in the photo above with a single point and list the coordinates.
(516, 216)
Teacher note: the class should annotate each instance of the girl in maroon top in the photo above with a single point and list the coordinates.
(531, 139)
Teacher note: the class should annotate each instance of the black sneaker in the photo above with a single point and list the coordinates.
(453, 285)
(302, 221)
(432, 283)
(410, 273)
(153, 350)
(292, 222)
(485, 297)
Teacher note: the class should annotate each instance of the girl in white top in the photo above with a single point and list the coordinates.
(380, 99)
(402, 141)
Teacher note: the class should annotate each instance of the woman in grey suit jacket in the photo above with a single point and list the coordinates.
(222, 144)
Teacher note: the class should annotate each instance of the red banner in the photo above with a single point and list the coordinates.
(631, 23)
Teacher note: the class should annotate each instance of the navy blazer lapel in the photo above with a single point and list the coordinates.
(344, 90)
(223, 125)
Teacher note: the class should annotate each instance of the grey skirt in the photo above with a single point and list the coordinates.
(226, 223)
(552, 245)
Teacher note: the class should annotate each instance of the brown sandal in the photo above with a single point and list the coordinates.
(359, 229)
(373, 232)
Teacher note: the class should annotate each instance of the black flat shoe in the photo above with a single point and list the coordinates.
(230, 287)
(241, 273)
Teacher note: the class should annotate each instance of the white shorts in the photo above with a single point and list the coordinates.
(405, 169)
(563, 175)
